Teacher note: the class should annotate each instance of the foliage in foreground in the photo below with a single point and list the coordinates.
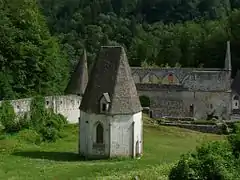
(234, 140)
(162, 147)
(214, 160)
(40, 124)
(8, 117)
(210, 161)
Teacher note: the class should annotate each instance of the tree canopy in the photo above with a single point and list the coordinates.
(42, 40)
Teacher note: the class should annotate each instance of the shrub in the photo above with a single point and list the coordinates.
(40, 124)
(24, 121)
(30, 135)
(210, 161)
(48, 124)
(8, 118)
(234, 140)
(236, 128)
(52, 127)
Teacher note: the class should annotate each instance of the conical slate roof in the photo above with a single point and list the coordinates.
(79, 78)
(236, 83)
(111, 74)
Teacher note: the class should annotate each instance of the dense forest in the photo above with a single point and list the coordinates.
(41, 40)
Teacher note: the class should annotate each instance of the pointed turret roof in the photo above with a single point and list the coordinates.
(79, 78)
(228, 65)
(111, 74)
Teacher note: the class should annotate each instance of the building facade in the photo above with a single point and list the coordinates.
(199, 93)
(110, 112)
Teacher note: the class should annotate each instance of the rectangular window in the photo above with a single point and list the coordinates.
(104, 107)
(191, 110)
(211, 106)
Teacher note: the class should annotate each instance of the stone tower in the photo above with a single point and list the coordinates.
(79, 78)
(111, 113)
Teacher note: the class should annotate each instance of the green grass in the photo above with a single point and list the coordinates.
(20, 159)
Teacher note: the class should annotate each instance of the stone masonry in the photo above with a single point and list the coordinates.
(198, 93)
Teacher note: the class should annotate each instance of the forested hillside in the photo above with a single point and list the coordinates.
(41, 40)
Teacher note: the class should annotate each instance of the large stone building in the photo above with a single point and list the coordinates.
(111, 114)
(200, 93)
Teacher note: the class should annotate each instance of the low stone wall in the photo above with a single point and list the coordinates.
(197, 127)
(67, 105)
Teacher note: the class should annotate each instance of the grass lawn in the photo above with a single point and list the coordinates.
(20, 159)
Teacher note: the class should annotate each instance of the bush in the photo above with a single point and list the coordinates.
(210, 161)
(236, 128)
(24, 121)
(40, 124)
(48, 124)
(30, 135)
(234, 140)
(52, 127)
(8, 118)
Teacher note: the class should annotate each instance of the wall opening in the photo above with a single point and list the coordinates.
(191, 110)
(235, 103)
(104, 103)
(151, 114)
(104, 107)
(170, 78)
(145, 101)
(99, 134)
(211, 106)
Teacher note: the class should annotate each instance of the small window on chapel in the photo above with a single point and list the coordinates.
(211, 106)
(104, 107)
(104, 103)
(191, 110)
(99, 134)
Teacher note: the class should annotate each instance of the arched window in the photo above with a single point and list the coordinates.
(99, 134)
(235, 102)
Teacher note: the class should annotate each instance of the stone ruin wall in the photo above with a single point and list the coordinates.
(191, 85)
(67, 105)
(197, 79)
(207, 89)
(177, 103)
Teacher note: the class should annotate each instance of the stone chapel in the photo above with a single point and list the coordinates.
(110, 112)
